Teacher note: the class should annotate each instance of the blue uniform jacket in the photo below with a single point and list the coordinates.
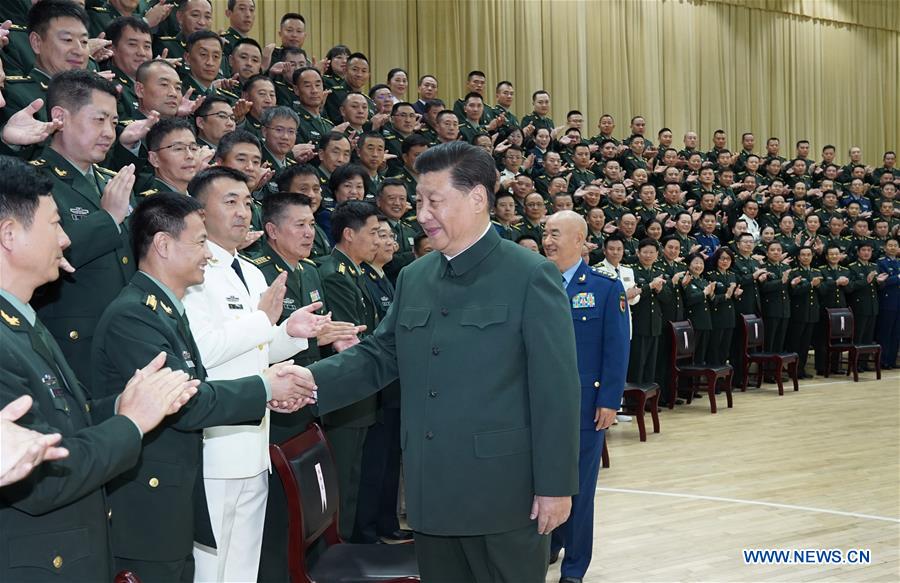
(598, 305)
(889, 291)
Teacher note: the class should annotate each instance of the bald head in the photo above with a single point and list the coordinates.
(564, 237)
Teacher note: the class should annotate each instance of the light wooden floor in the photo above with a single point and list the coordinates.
(832, 448)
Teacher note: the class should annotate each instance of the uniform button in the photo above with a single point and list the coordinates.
(109, 514)
(153, 482)
(124, 261)
(435, 350)
(596, 384)
(432, 394)
(73, 334)
(57, 562)
(444, 311)
(583, 318)
(429, 435)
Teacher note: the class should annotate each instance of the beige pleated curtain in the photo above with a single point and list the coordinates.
(823, 70)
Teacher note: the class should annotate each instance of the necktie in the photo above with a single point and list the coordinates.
(236, 266)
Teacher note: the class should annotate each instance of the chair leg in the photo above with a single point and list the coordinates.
(760, 369)
(746, 376)
(654, 411)
(604, 455)
(711, 391)
(728, 389)
(878, 364)
(639, 415)
(828, 362)
(854, 364)
(673, 389)
(778, 380)
(792, 372)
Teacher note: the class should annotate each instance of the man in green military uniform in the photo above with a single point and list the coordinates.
(132, 46)
(773, 292)
(174, 155)
(535, 213)
(504, 97)
(392, 203)
(540, 117)
(746, 271)
(804, 308)
(475, 477)
(93, 204)
(241, 15)
(863, 293)
(475, 82)
(309, 87)
(203, 58)
(104, 13)
(413, 146)
(832, 294)
(401, 126)
(60, 508)
(354, 230)
(192, 16)
(646, 315)
(50, 22)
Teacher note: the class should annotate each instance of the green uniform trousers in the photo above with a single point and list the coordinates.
(347, 448)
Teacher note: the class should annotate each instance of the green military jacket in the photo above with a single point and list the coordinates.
(697, 305)
(128, 101)
(539, 121)
(722, 311)
(672, 304)
(490, 390)
(155, 186)
(349, 301)
(773, 293)
(468, 130)
(284, 93)
(100, 252)
(646, 315)
(805, 297)
(832, 295)
(56, 520)
(17, 56)
(100, 17)
(863, 295)
(526, 227)
(177, 45)
(163, 493)
(189, 82)
(312, 128)
(508, 232)
(393, 142)
(511, 120)
(581, 178)
(229, 38)
(687, 242)
(303, 288)
(21, 91)
(409, 181)
(405, 236)
(743, 268)
(321, 244)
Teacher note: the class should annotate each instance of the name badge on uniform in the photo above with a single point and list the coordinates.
(314, 296)
(52, 384)
(233, 303)
(583, 300)
(78, 213)
(188, 359)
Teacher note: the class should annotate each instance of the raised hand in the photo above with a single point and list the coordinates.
(137, 131)
(334, 332)
(271, 301)
(241, 109)
(23, 449)
(23, 129)
(305, 323)
(250, 238)
(188, 107)
(154, 392)
(99, 49)
(116, 198)
(158, 13)
(226, 83)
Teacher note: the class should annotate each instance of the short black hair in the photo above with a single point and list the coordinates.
(286, 176)
(248, 85)
(417, 241)
(344, 173)
(647, 242)
(20, 186)
(432, 103)
(142, 71)
(199, 184)
(164, 212)
(390, 182)
(427, 76)
(302, 70)
(292, 16)
(413, 141)
(117, 27)
(207, 104)
(357, 55)
(74, 89)
(472, 94)
(246, 40)
(200, 35)
(400, 104)
(231, 139)
(376, 88)
(351, 214)
(40, 14)
(475, 73)
(231, 4)
(361, 141)
(163, 128)
(573, 112)
(539, 92)
(469, 166)
(276, 203)
(331, 137)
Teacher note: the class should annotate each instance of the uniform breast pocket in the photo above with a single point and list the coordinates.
(412, 318)
(51, 551)
(485, 316)
(586, 314)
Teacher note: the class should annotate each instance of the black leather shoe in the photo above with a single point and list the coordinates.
(570, 580)
(554, 557)
(397, 537)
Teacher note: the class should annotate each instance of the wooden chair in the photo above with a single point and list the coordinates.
(840, 326)
(637, 398)
(126, 577)
(681, 358)
(309, 476)
(604, 455)
(754, 338)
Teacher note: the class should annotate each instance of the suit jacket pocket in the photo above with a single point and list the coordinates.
(154, 475)
(411, 318)
(39, 550)
(501, 443)
(484, 316)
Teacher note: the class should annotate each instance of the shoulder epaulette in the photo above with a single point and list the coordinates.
(228, 93)
(149, 192)
(600, 269)
(167, 38)
(310, 261)
(99, 8)
(106, 171)
(11, 321)
(126, 122)
(38, 163)
(261, 260)
(17, 79)
(151, 302)
(18, 27)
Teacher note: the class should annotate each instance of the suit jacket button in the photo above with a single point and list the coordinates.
(444, 311)
(432, 394)
(154, 482)
(435, 350)
(57, 562)
(73, 334)
(124, 261)
(596, 384)
(583, 318)
(429, 435)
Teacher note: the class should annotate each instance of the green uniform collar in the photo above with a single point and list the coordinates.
(23, 308)
(169, 293)
(469, 258)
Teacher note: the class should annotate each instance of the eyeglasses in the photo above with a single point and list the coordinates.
(221, 115)
(282, 131)
(181, 148)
